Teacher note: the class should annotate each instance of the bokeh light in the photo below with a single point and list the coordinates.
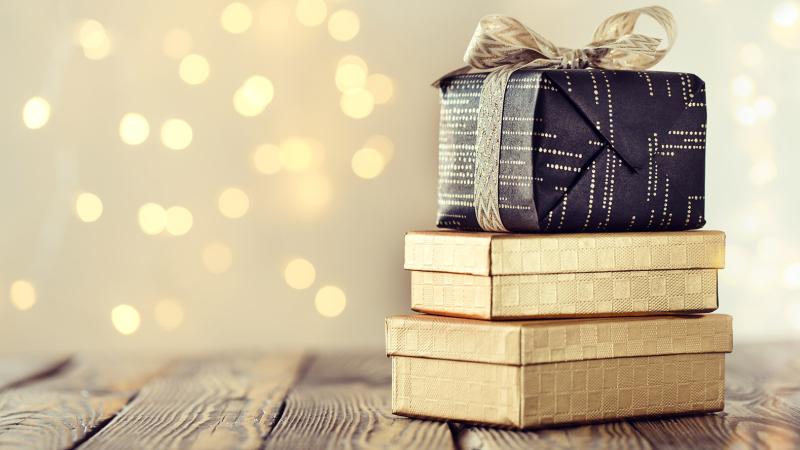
(296, 154)
(357, 103)
(764, 106)
(126, 319)
(22, 294)
(330, 301)
(381, 87)
(233, 203)
(351, 74)
(179, 220)
(94, 40)
(367, 163)
(168, 313)
(133, 129)
(194, 69)
(152, 218)
(311, 12)
(217, 257)
(310, 194)
(299, 273)
(267, 159)
(785, 14)
(88, 207)
(176, 134)
(742, 86)
(236, 18)
(177, 43)
(791, 276)
(343, 25)
(253, 96)
(382, 144)
(746, 115)
(36, 113)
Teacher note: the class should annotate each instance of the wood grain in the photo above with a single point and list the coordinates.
(17, 370)
(228, 402)
(61, 410)
(344, 402)
(615, 435)
(762, 405)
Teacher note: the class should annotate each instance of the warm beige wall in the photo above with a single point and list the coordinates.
(352, 236)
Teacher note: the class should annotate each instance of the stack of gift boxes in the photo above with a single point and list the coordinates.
(583, 294)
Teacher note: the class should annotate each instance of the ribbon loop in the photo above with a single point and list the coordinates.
(502, 41)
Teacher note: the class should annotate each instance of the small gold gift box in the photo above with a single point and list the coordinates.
(516, 276)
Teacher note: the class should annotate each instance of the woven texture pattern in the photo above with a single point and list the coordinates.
(456, 390)
(546, 341)
(452, 294)
(519, 254)
(558, 393)
(574, 294)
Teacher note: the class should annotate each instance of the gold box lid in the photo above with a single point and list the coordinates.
(548, 341)
(481, 253)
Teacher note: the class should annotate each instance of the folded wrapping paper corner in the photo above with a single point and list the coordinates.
(524, 142)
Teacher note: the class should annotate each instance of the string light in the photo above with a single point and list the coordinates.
(179, 220)
(266, 159)
(381, 87)
(88, 207)
(133, 129)
(168, 313)
(233, 203)
(194, 69)
(330, 301)
(343, 25)
(126, 319)
(177, 43)
(236, 18)
(253, 96)
(367, 163)
(299, 273)
(36, 113)
(152, 219)
(22, 294)
(217, 257)
(176, 134)
(94, 40)
(357, 103)
(311, 12)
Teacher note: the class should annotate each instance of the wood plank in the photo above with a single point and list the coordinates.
(17, 370)
(762, 405)
(60, 411)
(221, 402)
(344, 402)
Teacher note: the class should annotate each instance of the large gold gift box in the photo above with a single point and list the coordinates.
(516, 276)
(534, 373)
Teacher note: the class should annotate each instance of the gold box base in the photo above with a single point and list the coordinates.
(558, 393)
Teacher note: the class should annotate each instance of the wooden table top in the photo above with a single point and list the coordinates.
(270, 401)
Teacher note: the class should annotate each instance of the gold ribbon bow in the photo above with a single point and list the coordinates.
(501, 45)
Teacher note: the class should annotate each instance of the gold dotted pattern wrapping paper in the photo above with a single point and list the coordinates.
(516, 254)
(548, 341)
(558, 393)
(573, 294)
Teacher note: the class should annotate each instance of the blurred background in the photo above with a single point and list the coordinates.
(196, 175)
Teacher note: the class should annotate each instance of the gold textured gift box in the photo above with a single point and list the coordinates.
(525, 374)
(516, 276)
